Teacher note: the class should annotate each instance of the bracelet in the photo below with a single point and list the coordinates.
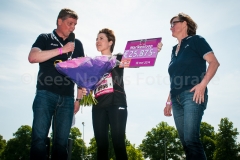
(60, 51)
(169, 103)
(78, 99)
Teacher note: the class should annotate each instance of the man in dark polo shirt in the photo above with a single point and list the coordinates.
(54, 98)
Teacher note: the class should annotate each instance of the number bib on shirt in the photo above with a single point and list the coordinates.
(105, 87)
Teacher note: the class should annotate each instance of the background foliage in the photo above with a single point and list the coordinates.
(159, 143)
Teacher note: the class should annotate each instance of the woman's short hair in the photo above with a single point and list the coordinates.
(192, 26)
(110, 36)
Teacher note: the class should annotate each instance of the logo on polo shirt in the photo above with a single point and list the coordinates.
(186, 46)
(52, 44)
(121, 108)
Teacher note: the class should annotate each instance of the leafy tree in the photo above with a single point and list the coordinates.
(78, 146)
(19, 147)
(134, 153)
(160, 139)
(238, 150)
(226, 146)
(75, 133)
(2, 145)
(92, 149)
(207, 136)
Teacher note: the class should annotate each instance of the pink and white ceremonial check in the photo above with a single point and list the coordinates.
(140, 53)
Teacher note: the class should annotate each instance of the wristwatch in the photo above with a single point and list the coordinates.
(78, 99)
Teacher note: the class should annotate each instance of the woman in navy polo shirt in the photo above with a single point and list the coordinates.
(189, 77)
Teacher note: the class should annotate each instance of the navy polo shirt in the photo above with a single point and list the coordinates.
(188, 67)
(48, 77)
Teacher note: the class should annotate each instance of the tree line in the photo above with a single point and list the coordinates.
(161, 143)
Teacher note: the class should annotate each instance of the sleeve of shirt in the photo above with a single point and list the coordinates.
(78, 51)
(119, 58)
(202, 46)
(40, 42)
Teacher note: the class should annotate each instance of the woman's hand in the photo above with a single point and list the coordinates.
(168, 110)
(84, 91)
(199, 91)
(159, 46)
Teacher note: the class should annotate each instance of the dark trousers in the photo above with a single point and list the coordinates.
(116, 117)
(188, 116)
(48, 106)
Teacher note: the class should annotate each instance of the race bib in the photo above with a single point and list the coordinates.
(105, 87)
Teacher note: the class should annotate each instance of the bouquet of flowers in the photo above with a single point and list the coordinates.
(87, 73)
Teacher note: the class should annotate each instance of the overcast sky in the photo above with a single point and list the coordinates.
(147, 88)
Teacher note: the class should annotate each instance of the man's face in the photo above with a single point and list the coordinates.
(66, 26)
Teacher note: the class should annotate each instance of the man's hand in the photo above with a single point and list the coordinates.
(69, 47)
(76, 106)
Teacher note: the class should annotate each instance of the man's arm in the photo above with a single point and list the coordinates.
(36, 55)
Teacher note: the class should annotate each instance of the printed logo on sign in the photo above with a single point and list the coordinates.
(143, 41)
